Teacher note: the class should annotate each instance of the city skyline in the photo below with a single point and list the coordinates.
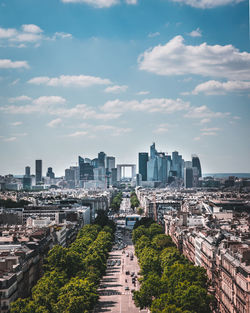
(78, 77)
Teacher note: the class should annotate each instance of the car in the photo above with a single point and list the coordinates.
(127, 272)
(126, 288)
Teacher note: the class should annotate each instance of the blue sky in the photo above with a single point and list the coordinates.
(82, 76)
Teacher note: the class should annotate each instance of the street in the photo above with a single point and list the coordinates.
(116, 286)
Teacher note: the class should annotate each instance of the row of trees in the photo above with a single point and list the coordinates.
(116, 201)
(134, 200)
(72, 275)
(169, 282)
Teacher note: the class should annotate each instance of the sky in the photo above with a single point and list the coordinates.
(82, 76)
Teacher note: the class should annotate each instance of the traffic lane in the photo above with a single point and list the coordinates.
(113, 296)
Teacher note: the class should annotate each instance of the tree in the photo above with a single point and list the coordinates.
(78, 296)
(46, 291)
(150, 288)
(141, 243)
(138, 232)
(149, 261)
(145, 221)
(162, 241)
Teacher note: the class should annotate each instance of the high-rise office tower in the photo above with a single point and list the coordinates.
(38, 172)
(50, 173)
(27, 171)
(196, 163)
(86, 170)
(94, 162)
(110, 163)
(101, 159)
(152, 169)
(143, 159)
(153, 151)
(114, 176)
(188, 177)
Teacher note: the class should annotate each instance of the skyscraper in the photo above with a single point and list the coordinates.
(86, 170)
(101, 159)
(143, 159)
(110, 163)
(27, 171)
(38, 172)
(196, 163)
(188, 177)
(50, 173)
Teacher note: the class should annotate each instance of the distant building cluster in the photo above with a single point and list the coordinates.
(155, 170)
(161, 169)
(212, 229)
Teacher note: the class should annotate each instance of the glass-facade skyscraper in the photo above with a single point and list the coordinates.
(196, 163)
(38, 172)
(143, 159)
(86, 170)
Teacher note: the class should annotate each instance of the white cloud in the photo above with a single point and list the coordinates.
(195, 33)
(208, 131)
(62, 35)
(50, 100)
(16, 123)
(162, 105)
(207, 4)
(152, 35)
(116, 89)
(203, 112)
(68, 81)
(95, 3)
(162, 128)
(20, 98)
(54, 123)
(113, 130)
(211, 129)
(213, 87)
(143, 93)
(78, 134)
(7, 63)
(131, 1)
(41, 105)
(28, 33)
(205, 121)
(31, 28)
(27, 37)
(176, 58)
(7, 32)
(10, 139)
(209, 134)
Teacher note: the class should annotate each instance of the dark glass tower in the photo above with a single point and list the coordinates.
(143, 159)
(101, 159)
(188, 177)
(50, 173)
(27, 171)
(86, 170)
(38, 171)
(196, 163)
